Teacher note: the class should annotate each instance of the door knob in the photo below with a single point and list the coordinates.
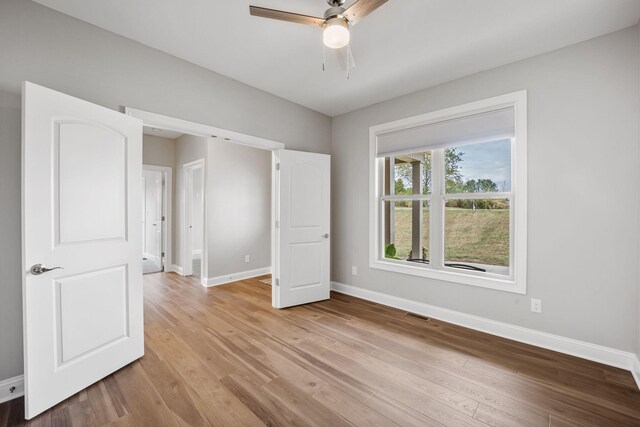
(38, 269)
(325, 236)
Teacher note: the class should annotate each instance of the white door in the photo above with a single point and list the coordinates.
(194, 247)
(153, 210)
(302, 237)
(81, 210)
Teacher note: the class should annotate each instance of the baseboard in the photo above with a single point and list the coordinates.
(175, 269)
(11, 388)
(228, 278)
(582, 349)
(636, 370)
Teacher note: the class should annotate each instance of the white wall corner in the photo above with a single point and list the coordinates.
(228, 278)
(11, 388)
(594, 352)
(175, 269)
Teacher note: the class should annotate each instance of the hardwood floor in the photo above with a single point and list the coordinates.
(223, 356)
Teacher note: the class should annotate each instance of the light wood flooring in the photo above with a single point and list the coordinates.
(224, 356)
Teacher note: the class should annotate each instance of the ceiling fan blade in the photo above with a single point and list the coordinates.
(281, 15)
(360, 9)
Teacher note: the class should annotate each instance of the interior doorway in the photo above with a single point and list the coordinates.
(298, 218)
(155, 213)
(194, 192)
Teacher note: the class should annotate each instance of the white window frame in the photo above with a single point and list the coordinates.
(516, 281)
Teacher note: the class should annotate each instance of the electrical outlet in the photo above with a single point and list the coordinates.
(247, 258)
(536, 305)
(354, 270)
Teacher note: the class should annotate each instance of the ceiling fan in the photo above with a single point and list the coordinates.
(336, 21)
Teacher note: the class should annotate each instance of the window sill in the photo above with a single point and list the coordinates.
(464, 278)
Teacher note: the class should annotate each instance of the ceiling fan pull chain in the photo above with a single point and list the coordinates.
(323, 57)
(348, 54)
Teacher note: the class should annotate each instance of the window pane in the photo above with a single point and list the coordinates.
(406, 226)
(477, 234)
(411, 173)
(478, 168)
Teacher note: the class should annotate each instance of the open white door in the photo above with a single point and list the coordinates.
(153, 212)
(302, 244)
(81, 210)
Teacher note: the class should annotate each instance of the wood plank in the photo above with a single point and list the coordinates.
(224, 356)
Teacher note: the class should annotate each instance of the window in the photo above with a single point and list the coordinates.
(448, 194)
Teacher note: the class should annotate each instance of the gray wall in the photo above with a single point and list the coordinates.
(10, 243)
(238, 205)
(583, 192)
(638, 317)
(76, 58)
(238, 208)
(158, 151)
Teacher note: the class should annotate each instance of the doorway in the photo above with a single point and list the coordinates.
(299, 217)
(194, 190)
(156, 228)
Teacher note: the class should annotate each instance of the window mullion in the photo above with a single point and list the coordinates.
(392, 192)
(436, 209)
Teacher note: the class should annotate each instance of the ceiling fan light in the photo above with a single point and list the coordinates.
(336, 33)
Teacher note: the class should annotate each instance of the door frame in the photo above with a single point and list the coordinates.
(167, 204)
(187, 256)
(198, 129)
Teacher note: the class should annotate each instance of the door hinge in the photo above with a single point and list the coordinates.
(277, 282)
(163, 218)
(277, 224)
(277, 166)
(162, 255)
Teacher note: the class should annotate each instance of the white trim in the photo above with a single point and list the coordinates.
(198, 129)
(175, 269)
(635, 371)
(275, 220)
(167, 208)
(516, 282)
(6, 385)
(234, 277)
(582, 349)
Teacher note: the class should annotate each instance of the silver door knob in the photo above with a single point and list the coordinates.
(325, 236)
(38, 269)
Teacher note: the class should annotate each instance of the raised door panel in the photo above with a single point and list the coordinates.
(91, 313)
(306, 196)
(90, 183)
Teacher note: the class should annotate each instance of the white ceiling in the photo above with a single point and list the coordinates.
(404, 46)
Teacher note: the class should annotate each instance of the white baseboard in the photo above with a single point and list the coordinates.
(228, 278)
(582, 349)
(11, 388)
(636, 370)
(174, 268)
